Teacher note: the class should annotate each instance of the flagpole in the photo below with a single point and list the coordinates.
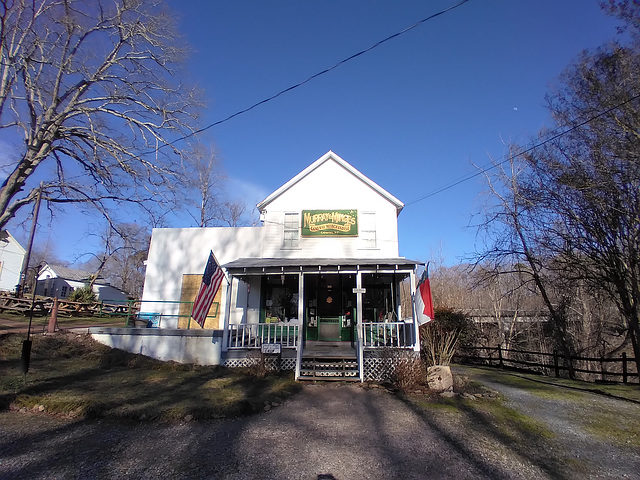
(220, 266)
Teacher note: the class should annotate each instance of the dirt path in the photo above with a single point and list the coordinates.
(327, 431)
(588, 429)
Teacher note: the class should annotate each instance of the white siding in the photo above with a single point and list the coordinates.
(11, 258)
(328, 184)
(331, 186)
(177, 251)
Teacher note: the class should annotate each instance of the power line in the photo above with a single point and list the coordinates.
(312, 77)
(490, 166)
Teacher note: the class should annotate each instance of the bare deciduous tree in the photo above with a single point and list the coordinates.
(205, 175)
(125, 269)
(591, 179)
(514, 230)
(233, 214)
(575, 206)
(121, 262)
(89, 86)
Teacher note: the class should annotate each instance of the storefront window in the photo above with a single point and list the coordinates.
(379, 302)
(280, 301)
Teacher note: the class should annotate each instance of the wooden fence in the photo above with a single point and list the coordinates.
(42, 306)
(590, 368)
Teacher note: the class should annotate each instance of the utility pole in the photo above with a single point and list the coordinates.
(27, 257)
(26, 344)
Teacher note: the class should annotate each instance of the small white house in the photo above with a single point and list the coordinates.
(320, 278)
(11, 259)
(59, 281)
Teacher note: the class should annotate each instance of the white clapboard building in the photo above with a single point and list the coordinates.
(11, 259)
(315, 287)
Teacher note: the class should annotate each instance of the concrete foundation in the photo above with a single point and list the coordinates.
(200, 347)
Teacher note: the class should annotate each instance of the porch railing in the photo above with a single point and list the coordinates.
(253, 335)
(388, 334)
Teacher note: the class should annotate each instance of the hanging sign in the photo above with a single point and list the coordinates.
(271, 348)
(316, 223)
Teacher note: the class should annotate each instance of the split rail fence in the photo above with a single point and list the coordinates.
(40, 306)
(127, 310)
(589, 368)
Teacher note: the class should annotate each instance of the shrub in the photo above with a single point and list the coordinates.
(405, 369)
(83, 295)
(439, 338)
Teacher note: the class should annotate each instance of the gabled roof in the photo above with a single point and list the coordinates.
(330, 156)
(70, 273)
(5, 236)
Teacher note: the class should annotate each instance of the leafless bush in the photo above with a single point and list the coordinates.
(405, 369)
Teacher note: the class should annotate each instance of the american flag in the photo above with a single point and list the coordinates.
(211, 281)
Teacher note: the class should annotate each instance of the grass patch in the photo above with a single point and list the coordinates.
(76, 376)
(490, 428)
(509, 423)
(547, 387)
(440, 404)
(608, 426)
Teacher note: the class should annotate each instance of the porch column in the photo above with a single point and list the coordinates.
(397, 298)
(301, 320)
(416, 338)
(359, 330)
(227, 314)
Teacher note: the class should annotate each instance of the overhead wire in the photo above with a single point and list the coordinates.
(553, 136)
(312, 77)
(481, 171)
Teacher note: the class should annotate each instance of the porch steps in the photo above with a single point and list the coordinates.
(329, 369)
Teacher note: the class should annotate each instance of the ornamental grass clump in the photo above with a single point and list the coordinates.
(439, 338)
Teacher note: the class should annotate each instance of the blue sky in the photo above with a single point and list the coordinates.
(413, 115)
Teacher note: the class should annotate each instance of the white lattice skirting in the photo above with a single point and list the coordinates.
(380, 367)
(377, 367)
(271, 363)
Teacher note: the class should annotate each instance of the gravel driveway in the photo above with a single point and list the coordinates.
(327, 431)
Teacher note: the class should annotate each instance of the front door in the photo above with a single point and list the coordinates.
(330, 307)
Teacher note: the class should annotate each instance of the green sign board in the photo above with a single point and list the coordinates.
(316, 223)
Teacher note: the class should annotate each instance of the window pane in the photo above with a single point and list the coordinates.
(291, 229)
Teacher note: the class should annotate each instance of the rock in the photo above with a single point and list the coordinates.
(468, 396)
(188, 418)
(275, 404)
(448, 394)
(439, 378)
(267, 408)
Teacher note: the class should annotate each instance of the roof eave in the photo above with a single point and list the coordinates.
(347, 166)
